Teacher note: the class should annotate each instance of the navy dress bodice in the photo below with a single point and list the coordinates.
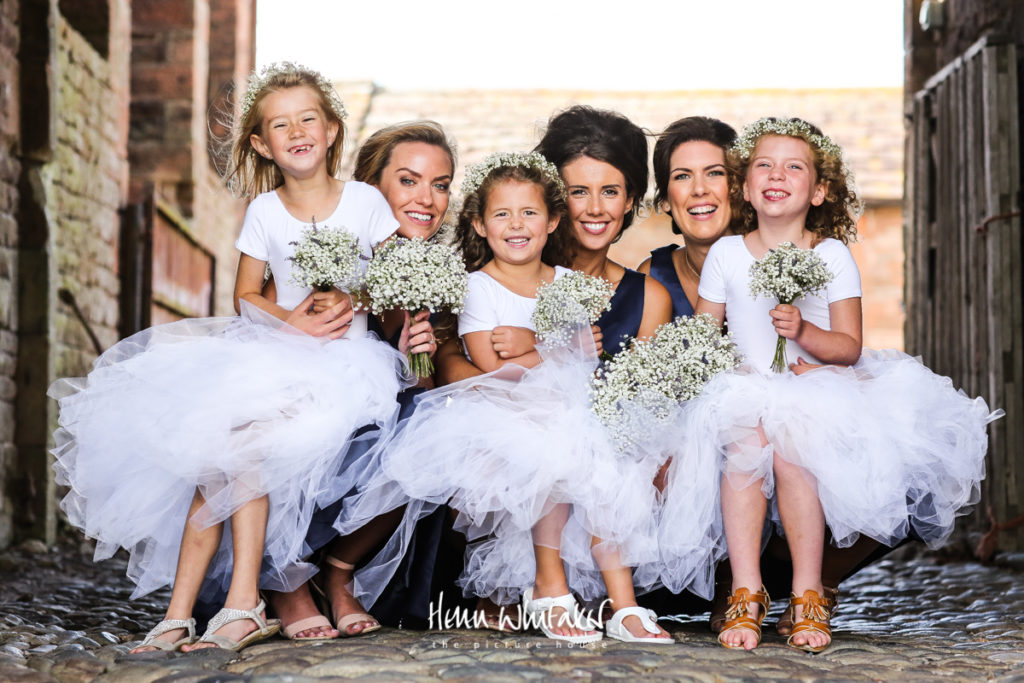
(663, 269)
(622, 322)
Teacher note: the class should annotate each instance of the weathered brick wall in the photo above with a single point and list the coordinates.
(86, 190)
(9, 171)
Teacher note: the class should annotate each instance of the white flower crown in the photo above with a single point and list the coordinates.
(259, 81)
(477, 173)
(745, 143)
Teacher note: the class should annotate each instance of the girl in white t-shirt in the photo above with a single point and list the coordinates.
(547, 503)
(186, 426)
(871, 443)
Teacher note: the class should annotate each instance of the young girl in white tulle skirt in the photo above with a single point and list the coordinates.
(517, 452)
(185, 426)
(868, 443)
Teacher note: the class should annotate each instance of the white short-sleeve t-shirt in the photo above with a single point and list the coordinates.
(725, 279)
(268, 233)
(490, 304)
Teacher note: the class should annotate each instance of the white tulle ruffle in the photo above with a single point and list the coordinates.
(506, 450)
(891, 446)
(235, 407)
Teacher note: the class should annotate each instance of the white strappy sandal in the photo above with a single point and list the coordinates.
(267, 627)
(535, 609)
(613, 628)
(169, 625)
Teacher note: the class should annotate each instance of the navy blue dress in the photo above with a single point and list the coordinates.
(621, 323)
(663, 269)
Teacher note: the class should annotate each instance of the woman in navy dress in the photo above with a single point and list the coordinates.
(602, 158)
(692, 186)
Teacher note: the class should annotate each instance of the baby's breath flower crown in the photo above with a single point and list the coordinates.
(795, 128)
(260, 80)
(477, 173)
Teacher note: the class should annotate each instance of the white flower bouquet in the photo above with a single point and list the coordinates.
(787, 273)
(415, 275)
(327, 257)
(646, 381)
(566, 303)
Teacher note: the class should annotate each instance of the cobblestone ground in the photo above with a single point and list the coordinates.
(922, 618)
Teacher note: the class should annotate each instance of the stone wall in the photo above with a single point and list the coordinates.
(10, 169)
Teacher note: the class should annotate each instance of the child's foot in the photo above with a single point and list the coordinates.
(349, 616)
(558, 616)
(300, 618)
(742, 627)
(234, 627)
(811, 614)
(634, 624)
(169, 635)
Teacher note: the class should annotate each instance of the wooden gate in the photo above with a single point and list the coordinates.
(166, 274)
(963, 252)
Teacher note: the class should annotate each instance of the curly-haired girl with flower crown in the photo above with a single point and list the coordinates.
(868, 443)
(537, 485)
(246, 420)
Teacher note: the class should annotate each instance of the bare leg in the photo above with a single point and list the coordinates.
(804, 524)
(248, 532)
(618, 581)
(743, 513)
(550, 581)
(350, 550)
(198, 547)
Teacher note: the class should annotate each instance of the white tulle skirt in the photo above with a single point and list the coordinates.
(891, 446)
(521, 458)
(235, 408)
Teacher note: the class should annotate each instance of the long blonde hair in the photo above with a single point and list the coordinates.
(249, 173)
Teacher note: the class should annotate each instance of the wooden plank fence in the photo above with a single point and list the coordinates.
(962, 239)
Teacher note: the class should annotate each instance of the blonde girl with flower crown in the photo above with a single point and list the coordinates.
(185, 427)
(870, 443)
(517, 451)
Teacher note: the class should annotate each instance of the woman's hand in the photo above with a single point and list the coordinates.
(331, 322)
(417, 335)
(512, 342)
(598, 340)
(332, 297)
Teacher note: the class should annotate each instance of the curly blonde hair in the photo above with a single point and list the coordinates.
(249, 173)
(837, 215)
(559, 249)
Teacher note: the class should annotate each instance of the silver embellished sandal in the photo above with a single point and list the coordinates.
(163, 627)
(267, 627)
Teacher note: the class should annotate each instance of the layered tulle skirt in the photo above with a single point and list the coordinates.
(889, 445)
(520, 459)
(234, 408)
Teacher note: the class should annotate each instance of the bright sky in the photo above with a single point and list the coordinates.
(594, 44)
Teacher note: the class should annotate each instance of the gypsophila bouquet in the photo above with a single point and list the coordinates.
(415, 275)
(643, 383)
(787, 273)
(327, 257)
(566, 303)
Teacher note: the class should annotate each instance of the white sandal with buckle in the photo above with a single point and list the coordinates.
(576, 618)
(165, 626)
(227, 615)
(613, 628)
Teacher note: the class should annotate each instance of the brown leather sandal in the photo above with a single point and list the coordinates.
(814, 619)
(738, 614)
(784, 625)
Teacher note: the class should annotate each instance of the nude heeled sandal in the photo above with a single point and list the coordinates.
(354, 618)
(738, 614)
